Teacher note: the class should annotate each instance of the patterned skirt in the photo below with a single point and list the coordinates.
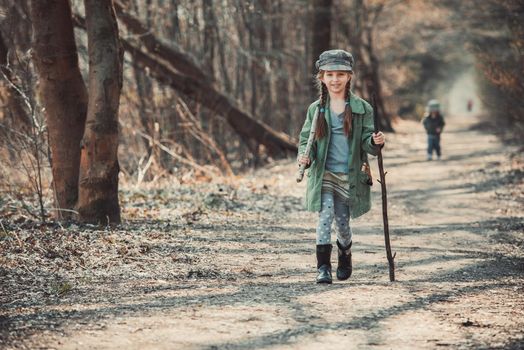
(336, 183)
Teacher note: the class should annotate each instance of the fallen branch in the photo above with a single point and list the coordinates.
(170, 53)
(176, 156)
(202, 136)
(248, 128)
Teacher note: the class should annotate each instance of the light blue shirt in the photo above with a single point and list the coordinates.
(337, 160)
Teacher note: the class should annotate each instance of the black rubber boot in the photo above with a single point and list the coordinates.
(324, 263)
(345, 266)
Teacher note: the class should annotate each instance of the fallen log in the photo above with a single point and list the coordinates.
(252, 131)
(244, 125)
(173, 55)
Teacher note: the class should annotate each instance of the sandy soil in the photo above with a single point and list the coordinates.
(232, 266)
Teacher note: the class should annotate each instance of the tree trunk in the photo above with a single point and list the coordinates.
(242, 65)
(367, 49)
(282, 110)
(321, 36)
(62, 93)
(143, 87)
(355, 33)
(261, 31)
(209, 122)
(98, 190)
(12, 112)
(360, 34)
(223, 62)
(210, 37)
(206, 117)
(16, 24)
(375, 86)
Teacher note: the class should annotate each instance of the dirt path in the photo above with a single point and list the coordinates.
(243, 279)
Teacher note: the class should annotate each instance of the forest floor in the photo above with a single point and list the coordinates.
(231, 265)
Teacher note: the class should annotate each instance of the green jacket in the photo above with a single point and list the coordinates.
(360, 143)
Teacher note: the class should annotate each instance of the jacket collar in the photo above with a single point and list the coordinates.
(356, 104)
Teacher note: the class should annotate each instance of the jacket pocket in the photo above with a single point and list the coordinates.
(365, 178)
(366, 169)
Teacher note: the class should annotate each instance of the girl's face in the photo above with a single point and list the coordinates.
(336, 80)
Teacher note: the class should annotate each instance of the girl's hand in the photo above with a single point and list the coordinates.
(379, 138)
(304, 160)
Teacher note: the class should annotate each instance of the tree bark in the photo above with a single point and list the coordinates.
(62, 94)
(321, 36)
(210, 37)
(16, 24)
(282, 110)
(254, 23)
(223, 62)
(146, 103)
(361, 38)
(98, 186)
(261, 31)
(12, 112)
(374, 85)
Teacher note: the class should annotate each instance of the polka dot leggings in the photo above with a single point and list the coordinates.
(333, 208)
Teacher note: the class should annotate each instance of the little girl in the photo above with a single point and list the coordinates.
(338, 177)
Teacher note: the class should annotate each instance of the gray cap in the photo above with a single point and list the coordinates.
(433, 105)
(335, 60)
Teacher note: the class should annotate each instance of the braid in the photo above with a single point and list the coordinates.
(348, 113)
(321, 123)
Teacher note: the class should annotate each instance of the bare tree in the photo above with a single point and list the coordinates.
(164, 66)
(244, 124)
(12, 113)
(321, 32)
(282, 75)
(98, 185)
(22, 131)
(63, 95)
(365, 20)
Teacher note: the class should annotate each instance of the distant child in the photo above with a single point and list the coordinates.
(433, 123)
(337, 178)
(470, 105)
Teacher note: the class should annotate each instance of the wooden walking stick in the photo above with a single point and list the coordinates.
(311, 138)
(382, 182)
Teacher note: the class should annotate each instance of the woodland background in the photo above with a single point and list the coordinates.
(179, 120)
(215, 88)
